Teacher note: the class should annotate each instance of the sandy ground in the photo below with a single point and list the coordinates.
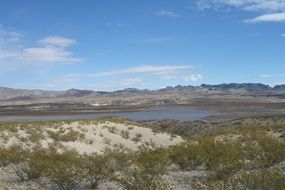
(95, 137)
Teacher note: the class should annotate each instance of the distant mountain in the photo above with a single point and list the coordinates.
(244, 86)
(279, 87)
(133, 96)
(19, 94)
(78, 93)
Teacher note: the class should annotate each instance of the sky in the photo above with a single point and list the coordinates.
(116, 44)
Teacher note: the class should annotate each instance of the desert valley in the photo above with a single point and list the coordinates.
(142, 95)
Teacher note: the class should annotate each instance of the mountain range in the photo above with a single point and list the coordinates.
(132, 96)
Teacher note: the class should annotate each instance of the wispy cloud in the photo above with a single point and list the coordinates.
(165, 13)
(143, 69)
(271, 75)
(51, 49)
(9, 35)
(283, 35)
(9, 38)
(8, 44)
(118, 24)
(264, 5)
(193, 78)
(274, 17)
(142, 76)
(184, 78)
(57, 41)
(168, 77)
(273, 10)
(122, 83)
(150, 69)
(7, 54)
(249, 5)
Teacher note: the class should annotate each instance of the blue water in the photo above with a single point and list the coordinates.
(181, 113)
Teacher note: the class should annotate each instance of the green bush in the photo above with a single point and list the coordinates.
(186, 155)
(272, 179)
(64, 136)
(221, 158)
(63, 169)
(137, 138)
(97, 169)
(271, 151)
(15, 158)
(125, 134)
(147, 166)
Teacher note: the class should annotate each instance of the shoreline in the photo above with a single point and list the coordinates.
(222, 110)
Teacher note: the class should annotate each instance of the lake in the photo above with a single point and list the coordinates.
(177, 113)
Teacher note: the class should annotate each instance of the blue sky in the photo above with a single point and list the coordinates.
(116, 44)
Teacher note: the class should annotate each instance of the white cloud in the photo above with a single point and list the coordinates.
(162, 71)
(271, 76)
(168, 77)
(165, 13)
(49, 54)
(249, 5)
(7, 54)
(156, 70)
(9, 35)
(192, 78)
(274, 17)
(266, 5)
(9, 39)
(53, 50)
(57, 41)
(273, 10)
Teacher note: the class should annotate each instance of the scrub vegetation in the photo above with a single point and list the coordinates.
(251, 157)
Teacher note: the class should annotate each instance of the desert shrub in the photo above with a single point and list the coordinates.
(35, 135)
(97, 169)
(72, 135)
(186, 155)
(221, 158)
(271, 151)
(137, 138)
(272, 179)
(54, 135)
(5, 157)
(13, 129)
(63, 169)
(112, 130)
(15, 158)
(172, 136)
(147, 166)
(37, 162)
(61, 135)
(125, 134)
(155, 130)
(119, 158)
